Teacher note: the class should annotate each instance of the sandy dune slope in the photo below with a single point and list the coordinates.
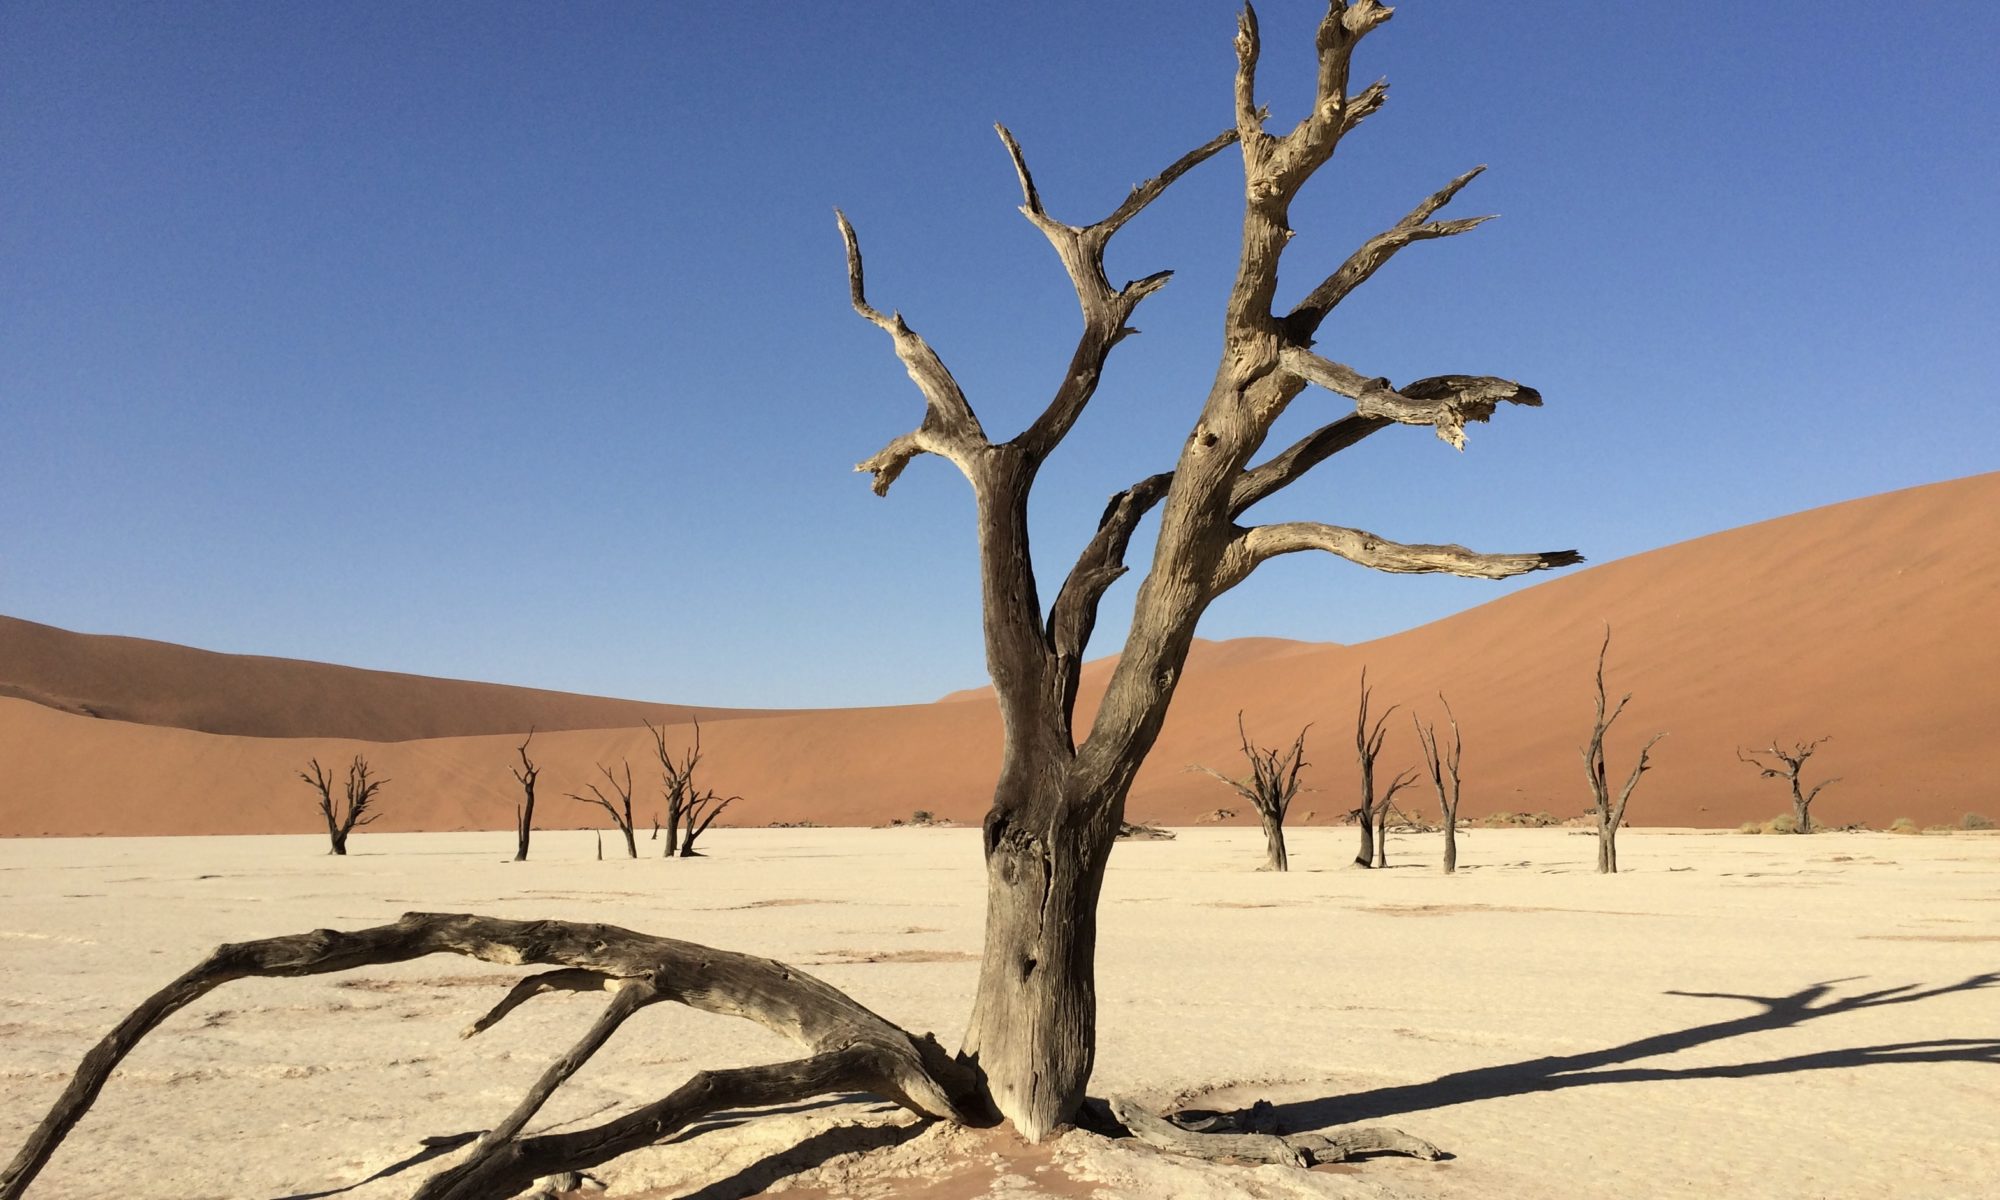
(157, 683)
(1870, 621)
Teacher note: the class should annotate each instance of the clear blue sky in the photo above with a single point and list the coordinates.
(511, 342)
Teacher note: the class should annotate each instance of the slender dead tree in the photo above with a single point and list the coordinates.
(1367, 747)
(1059, 800)
(621, 812)
(1443, 763)
(1610, 813)
(675, 777)
(354, 809)
(1272, 783)
(1791, 763)
(524, 812)
(1384, 807)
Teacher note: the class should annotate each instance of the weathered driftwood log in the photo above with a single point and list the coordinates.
(852, 1048)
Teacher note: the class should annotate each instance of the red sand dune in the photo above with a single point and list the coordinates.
(157, 683)
(1869, 621)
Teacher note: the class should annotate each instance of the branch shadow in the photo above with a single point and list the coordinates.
(817, 1150)
(432, 1147)
(1558, 1072)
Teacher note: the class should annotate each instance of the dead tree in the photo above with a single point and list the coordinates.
(1793, 760)
(354, 809)
(1367, 746)
(690, 810)
(1443, 763)
(1609, 813)
(674, 777)
(621, 812)
(1060, 797)
(698, 814)
(1272, 783)
(524, 812)
(1385, 806)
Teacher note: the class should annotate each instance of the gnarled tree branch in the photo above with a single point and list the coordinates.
(1105, 309)
(853, 1049)
(1445, 402)
(949, 428)
(1416, 226)
(1258, 544)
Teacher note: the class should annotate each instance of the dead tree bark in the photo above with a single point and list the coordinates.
(344, 816)
(524, 812)
(1272, 783)
(1060, 797)
(1609, 813)
(621, 812)
(1793, 761)
(1443, 763)
(849, 1047)
(1367, 746)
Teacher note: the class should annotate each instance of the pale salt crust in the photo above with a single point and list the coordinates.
(1689, 1027)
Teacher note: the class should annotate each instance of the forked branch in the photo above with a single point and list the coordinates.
(1105, 309)
(1416, 226)
(852, 1048)
(949, 428)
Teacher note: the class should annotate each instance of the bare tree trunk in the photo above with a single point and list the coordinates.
(1610, 813)
(1444, 762)
(1032, 1035)
(1367, 747)
(524, 813)
(1381, 836)
(1275, 858)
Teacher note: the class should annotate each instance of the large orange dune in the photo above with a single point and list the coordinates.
(1870, 623)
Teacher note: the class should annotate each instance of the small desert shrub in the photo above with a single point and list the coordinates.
(1975, 821)
(1501, 820)
(1782, 823)
(923, 816)
(1749, 827)
(1903, 825)
(1940, 829)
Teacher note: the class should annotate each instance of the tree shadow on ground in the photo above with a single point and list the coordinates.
(430, 1148)
(1557, 1072)
(817, 1150)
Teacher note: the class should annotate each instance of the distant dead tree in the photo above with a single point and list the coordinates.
(1270, 787)
(1367, 745)
(524, 813)
(1443, 763)
(1610, 815)
(690, 809)
(342, 817)
(621, 812)
(1383, 808)
(1794, 761)
(674, 778)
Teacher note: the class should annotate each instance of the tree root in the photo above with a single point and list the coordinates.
(853, 1049)
(1255, 1137)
